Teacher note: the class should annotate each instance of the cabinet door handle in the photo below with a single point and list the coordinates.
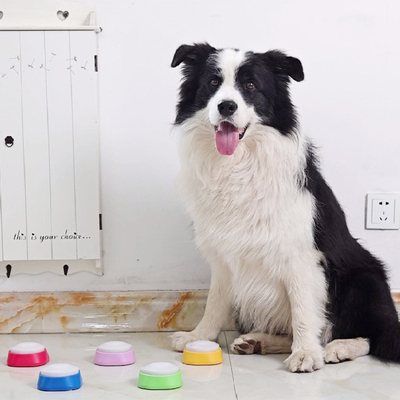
(9, 141)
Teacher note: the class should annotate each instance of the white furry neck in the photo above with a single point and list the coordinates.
(263, 153)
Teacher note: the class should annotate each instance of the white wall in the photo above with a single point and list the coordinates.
(348, 103)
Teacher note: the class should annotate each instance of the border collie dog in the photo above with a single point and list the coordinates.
(281, 255)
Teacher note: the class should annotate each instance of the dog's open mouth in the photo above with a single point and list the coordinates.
(227, 137)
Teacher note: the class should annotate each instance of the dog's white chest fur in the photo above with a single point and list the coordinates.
(250, 215)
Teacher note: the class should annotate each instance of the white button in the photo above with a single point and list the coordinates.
(114, 347)
(27, 348)
(59, 370)
(202, 346)
(160, 368)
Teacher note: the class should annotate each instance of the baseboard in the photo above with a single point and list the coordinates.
(104, 311)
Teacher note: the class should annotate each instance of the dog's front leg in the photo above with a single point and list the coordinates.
(217, 312)
(306, 289)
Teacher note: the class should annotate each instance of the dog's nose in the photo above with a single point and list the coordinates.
(227, 107)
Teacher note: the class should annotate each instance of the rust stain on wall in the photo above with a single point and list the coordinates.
(70, 311)
(37, 307)
(79, 298)
(7, 298)
(44, 305)
(64, 322)
(34, 306)
(4, 301)
(168, 317)
(123, 306)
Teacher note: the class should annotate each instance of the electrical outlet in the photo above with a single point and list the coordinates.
(383, 211)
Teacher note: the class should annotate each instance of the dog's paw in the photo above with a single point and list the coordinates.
(305, 360)
(345, 349)
(181, 339)
(335, 354)
(245, 344)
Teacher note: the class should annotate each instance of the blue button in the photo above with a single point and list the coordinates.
(58, 384)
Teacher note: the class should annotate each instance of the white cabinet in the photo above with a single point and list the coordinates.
(49, 150)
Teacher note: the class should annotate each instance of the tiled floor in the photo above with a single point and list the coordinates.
(239, 377)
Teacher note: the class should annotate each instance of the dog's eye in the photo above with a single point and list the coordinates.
(250, 85)
(214, 82)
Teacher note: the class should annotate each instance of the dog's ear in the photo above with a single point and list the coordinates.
(192, 54)
(282, 64)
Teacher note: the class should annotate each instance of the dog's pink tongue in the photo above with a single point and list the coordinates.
(227, 138)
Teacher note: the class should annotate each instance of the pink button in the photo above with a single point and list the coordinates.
(114, 354)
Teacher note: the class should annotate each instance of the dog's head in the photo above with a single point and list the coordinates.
(237, 89)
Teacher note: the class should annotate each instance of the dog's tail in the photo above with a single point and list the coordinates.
(386, 345)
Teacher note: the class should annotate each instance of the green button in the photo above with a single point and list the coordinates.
(160, 382)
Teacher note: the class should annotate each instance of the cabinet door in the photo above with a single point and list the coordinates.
(49, 149)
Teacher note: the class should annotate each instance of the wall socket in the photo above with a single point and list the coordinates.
(383, 211)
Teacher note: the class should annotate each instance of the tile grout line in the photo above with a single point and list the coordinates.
(230, 364)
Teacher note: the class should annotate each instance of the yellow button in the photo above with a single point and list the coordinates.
(202, 358)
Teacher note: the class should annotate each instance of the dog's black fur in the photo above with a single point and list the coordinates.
(360, 303)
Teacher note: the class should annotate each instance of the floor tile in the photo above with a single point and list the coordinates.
(264, 377)
(253, 377)
(116, 383)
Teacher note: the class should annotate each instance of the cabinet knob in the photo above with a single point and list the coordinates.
(9, 141)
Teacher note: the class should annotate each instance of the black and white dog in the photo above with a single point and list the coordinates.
(281, 255)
